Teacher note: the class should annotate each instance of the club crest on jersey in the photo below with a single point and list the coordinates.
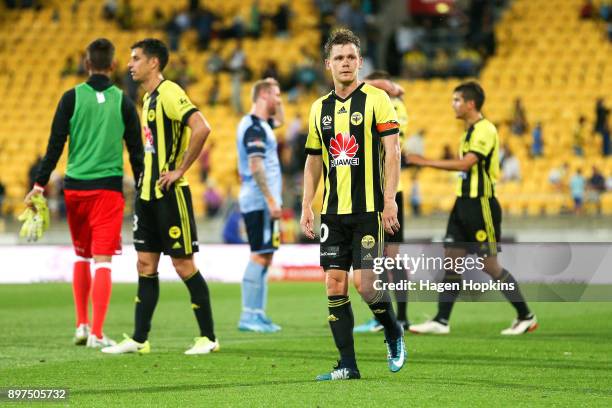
(149, 146)
(151, 115)
(326, 122)
(356, 118)
(343, 149)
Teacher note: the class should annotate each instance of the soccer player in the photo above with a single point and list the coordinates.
(474, 225)
(353, 138)
(382, 80)
(260, 199)
(175, 132)
(99, 117)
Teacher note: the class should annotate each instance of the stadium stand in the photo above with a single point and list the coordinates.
(555, 62)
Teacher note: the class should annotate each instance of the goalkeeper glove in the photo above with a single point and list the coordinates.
(40, 207)
(35, 220)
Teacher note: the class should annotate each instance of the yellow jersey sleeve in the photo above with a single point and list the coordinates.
(386, 118)
(177, 104)
(313, 141)
(482, 140)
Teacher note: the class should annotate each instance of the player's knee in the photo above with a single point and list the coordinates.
(493, 270)
(145, 267)
(335, 285)
(262, 259)
(184, 267)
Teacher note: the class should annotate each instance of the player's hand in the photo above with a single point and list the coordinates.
(389, 216)
(36, 190)
(415, 159)
(307, 222)
(274, 209)
(168, 178)
(398, 90)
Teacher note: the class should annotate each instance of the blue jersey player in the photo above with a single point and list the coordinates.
(260, 199)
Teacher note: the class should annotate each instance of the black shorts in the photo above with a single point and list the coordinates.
(398, 237)
(167, 224)
(475, 225)
(263, 232)
(351, 240)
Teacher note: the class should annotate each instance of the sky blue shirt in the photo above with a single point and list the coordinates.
(577, 186)
(255, 138)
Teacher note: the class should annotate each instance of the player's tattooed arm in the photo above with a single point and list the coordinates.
(257, 167)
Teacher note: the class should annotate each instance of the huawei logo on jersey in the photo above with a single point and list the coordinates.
(149, 145)
(343, 149)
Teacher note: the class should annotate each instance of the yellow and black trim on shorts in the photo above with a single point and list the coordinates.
(185, 222)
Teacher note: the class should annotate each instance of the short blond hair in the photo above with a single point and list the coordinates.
(262, 85)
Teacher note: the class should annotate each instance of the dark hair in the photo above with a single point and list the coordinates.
(100, 54)
(378, 74)
(341, 36)
(152, 47)
(471, 91)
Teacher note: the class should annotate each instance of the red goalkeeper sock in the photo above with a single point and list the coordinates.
(81, 282)
(100, 296)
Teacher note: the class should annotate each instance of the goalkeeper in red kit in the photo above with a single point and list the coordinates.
(99, 118)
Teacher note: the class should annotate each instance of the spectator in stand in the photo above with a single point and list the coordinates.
(416, 143)
(233, 229)
(587, 10)
(609, 182)
(204, 160)
(214, 63)
(204, 19)
(415, 196)
(294, 128)
(281, 20)
(467, 63)
(2, 197)
(447, 152)
(602, 126)
(125, 15)
(212, 199)
(440, 65)
(271, 70)
(109, 10)
(518, 121)
(597, 181)
(577, 189)
(414, 64)
(537, 144)
(511, 167)
(601, 115)
(237, 65)
(557, 176)
(605, 10)
(255, 20)
(214, 92)
(158, 20)
(578, 136)
(596, 187)
(70, 67)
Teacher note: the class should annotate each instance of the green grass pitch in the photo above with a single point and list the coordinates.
(567, 362)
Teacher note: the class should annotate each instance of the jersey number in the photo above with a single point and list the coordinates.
(324, 232)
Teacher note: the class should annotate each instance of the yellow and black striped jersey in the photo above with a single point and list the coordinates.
(481, 139)
(347, 133)
(402, 120)
(164, 120)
